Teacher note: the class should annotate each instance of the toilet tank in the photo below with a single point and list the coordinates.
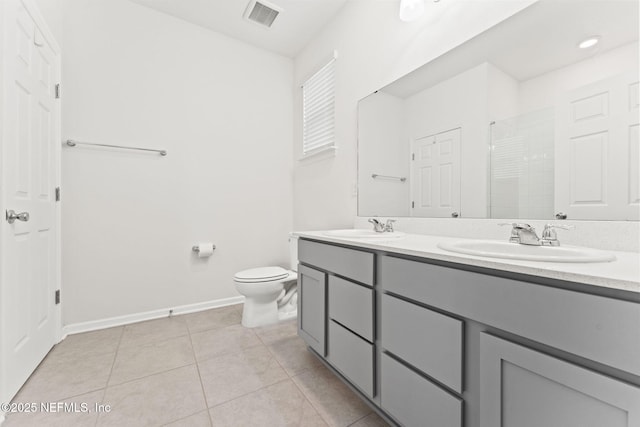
(293, 252)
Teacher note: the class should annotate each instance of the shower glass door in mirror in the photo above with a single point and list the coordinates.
(518, 122)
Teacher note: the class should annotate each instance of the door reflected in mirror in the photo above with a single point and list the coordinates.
(518, 122)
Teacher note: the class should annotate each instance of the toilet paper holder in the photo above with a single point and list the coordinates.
(196, 248)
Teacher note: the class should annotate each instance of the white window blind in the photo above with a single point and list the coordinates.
(318, 111)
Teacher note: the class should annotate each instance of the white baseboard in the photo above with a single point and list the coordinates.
(94, 325)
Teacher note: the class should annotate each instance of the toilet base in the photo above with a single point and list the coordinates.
(259, 313)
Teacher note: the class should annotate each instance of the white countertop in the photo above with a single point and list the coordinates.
(622, 274)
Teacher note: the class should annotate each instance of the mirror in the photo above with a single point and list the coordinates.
(518, 122)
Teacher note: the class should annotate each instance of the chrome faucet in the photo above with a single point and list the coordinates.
(526, 234)
(379, 227)
(523, 234)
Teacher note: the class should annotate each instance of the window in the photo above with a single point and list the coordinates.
(318, 111)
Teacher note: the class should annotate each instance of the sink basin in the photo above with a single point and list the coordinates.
(363, 234)
(507, 250)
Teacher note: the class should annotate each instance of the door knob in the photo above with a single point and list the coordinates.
(12, 216)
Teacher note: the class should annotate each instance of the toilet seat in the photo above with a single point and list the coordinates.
(262, 274)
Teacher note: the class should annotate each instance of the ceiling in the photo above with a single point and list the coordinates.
(294, 27)
(539, 39)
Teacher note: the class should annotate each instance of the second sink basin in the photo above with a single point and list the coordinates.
(507, 250)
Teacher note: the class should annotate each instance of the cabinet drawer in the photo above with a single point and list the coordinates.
(413, 400)
(578, 323)
(352, 356)
(429, 341)
(356, 265)
(352, 306)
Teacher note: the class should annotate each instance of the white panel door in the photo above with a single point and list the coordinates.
(435, 175)
(597, 151)
(29, 316)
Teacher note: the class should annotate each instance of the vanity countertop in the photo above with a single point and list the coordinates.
(621, 274)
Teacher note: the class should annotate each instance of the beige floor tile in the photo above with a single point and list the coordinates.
(71, 415)
(154, 400)
(279, 405)
(274, 333)
(372, 420)
(137, 362)
(336, 403)
(88, 343)
(218, 342)
(153, 331)
(216, 318)
(72, 375)
(201, 419)
(293, 355)
(228, 377)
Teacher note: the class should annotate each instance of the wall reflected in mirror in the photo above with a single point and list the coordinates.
(518, 122)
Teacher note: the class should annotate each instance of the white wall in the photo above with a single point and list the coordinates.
(384, 150)
(542, 91)
(222, 109)
(374, 48)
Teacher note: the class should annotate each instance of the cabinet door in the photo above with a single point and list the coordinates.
(521, 387)
(312, 303)
(414, 401)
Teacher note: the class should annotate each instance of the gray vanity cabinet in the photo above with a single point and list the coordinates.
(431, 344)
(345, 276)
(521, 387)
(312, 291)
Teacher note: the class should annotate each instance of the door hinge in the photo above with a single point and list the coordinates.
(413, 205)
(58, 296)
(57, 91)
(413, 156)
(57, 194)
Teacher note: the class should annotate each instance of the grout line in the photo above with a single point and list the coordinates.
(315, 408)
(115, 356)
(248, 393)
(184, 418)
(204, 395)
(104, 393)
(361, 418)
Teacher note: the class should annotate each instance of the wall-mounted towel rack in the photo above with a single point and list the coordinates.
(399, 178)
(73, 143)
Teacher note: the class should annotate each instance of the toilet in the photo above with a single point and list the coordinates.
(270, 292)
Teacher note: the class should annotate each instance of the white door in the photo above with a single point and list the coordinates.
(29, 316)
(597, 153)
(435, 175)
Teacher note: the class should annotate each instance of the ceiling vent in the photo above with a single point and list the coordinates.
(262, 12)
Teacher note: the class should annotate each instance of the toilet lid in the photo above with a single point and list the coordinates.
(262, 274)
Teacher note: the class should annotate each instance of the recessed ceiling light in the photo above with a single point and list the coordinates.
(589, 42)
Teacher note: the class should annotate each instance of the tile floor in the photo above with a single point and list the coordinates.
(201, 369)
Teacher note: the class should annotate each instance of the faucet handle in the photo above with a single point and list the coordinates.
(514, 238)
(518, 225)
(562, 226)
(389, 225)
(549, 236)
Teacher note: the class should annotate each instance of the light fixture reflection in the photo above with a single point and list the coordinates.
(410, 10)
(589, 42)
